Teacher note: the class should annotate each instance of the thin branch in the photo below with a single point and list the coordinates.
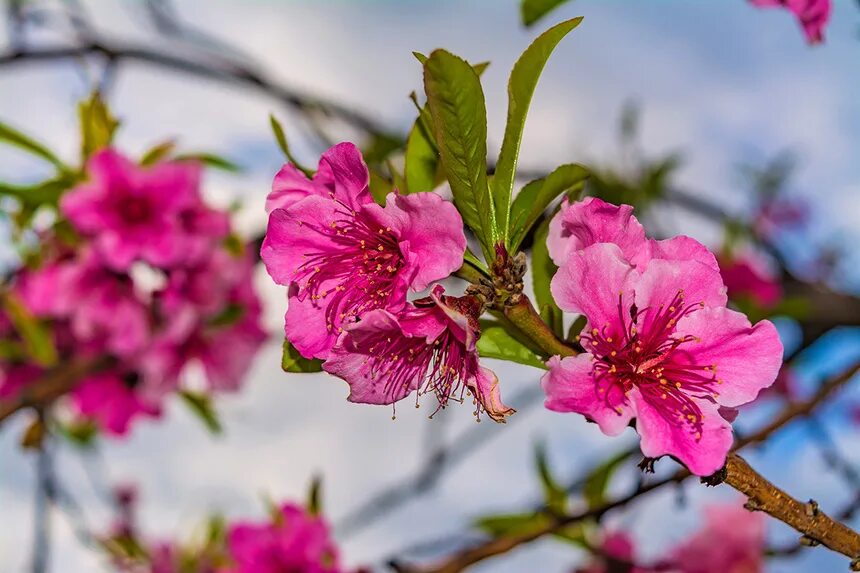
(741, 478)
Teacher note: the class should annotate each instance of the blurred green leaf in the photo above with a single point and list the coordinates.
(201, 405)
(521, 88)
(535, 197)
(211, 160)
(456, 103)
(380, 187)
(543, 269)
(158, 152)
(230, 315)
(597, 481)
(97, 124)
(43, 193)
(37, 337)
(314, 504)
(421, 160)
(576, 327)
(555, 496)
(533, 10)
(512, 524)
(81, 433)
(12, 136)
(381, 146)
(496, 342)
(281, 138)
(293, 361)
(34, 434)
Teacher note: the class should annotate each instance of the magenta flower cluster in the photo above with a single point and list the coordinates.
(661, 347)
(150, 281)
(350, 263)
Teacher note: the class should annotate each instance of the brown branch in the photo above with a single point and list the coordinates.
(52, 385)
(740, 476)
(804, 517)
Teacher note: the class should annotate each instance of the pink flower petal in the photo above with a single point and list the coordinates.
(291, 185)
(344, 164)
(485, 388)
(748, 358)
(591, 282)
(702, 454)
(683, 248)
(433, 229)
(583, 223)
(306, 328)
(570, 387)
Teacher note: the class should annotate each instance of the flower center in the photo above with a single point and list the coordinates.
(134, 210)
(642, 351)
(358, 274)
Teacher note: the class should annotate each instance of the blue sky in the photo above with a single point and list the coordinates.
(721, 81)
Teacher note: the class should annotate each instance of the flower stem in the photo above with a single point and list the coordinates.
(524, 316)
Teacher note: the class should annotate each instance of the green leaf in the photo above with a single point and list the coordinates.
(229, 315)
(81, 433)
(543, 269)
(456, 103)
(201, 405)
(496, 342)
(381, 146)
(512, 524)
(12, 136)
(293, 361)
(421, 160)
(38, 341)
(314, 505)
(555, 496)
(533, 10)
(281, 138)
(44, 193)
(98, 125)
(521, 88)
(380, 187)
(158, 152)
(535, 197)
(211, 160)
(597, 481)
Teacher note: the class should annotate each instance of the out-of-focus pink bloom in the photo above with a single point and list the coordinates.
(786, 384)
(660, 347)
(109, 399)
(215, 318)
(343, 255)
(731, 541)
(16, 377)
(615, 548)
(430, 346)
(777, 213)
(133, 213)
(294, 541)
(812, 15)
(748, 277)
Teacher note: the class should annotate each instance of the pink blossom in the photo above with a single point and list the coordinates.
(615, 547)
(731, 541)
(14, 378)
(811, 14)
(430, 346)
(590, 221)
(134, 213)
(343, 255)
(660, 347)
(293, 541)
(748, 277)
(109, 399)
(214, 317)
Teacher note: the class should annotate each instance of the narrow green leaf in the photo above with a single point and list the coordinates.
(381, 146)
(521, 87)
(211, 160)
(555, 496)
(535, 197)
(533, 10)
(421, 160)
(456, 103)
(201, 405)
(158, 152)
(597, 481)
(281, 138)
(543, 269)
(293, 361)
(97, 125)
(512, 524)
(44, 193)
(229, 315)
(37, 338)
(496, 342)
(314, 505)
(12, 136)
(380, 187)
